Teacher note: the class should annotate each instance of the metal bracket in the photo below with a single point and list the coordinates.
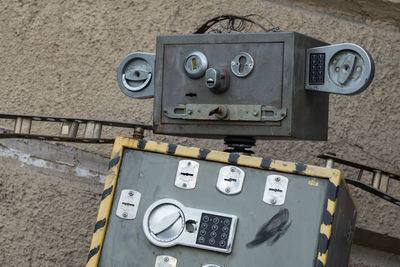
(234, 112)
(128, 204)
(165, 261)
(275, 189)
(186, 174)
(230, 180)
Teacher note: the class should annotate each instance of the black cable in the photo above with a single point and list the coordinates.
(233, 23)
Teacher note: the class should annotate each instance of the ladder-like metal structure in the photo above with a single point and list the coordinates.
(68, 128)
(380, 181)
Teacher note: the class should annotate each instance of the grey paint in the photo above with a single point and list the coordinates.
(277, 79)
(126, 245)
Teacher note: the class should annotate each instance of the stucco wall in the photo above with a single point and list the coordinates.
(60, 58)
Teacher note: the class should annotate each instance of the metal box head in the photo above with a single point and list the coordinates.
(215, 85)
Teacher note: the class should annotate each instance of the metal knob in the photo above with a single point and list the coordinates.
(166, 222)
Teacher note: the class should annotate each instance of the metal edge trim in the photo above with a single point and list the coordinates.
(105, 205)
(327, 218)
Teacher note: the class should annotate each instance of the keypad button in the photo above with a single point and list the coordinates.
(214, 230)
(317, 68)
(216, 220)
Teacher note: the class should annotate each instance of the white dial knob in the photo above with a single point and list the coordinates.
(166, 222)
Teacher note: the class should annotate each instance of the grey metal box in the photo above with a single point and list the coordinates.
(316, 217)
(277, 81)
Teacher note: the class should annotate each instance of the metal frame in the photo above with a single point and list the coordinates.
(334, 176)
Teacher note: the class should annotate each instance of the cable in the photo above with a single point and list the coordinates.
(234, 23)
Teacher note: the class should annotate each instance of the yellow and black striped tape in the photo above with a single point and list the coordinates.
(333, 175)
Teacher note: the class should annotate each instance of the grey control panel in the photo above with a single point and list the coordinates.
(232, 215)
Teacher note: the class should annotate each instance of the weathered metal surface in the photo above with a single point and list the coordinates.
(276, 79)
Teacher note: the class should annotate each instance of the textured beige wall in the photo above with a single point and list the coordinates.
(60, 58)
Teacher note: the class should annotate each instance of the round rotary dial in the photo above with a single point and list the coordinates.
(166, 222)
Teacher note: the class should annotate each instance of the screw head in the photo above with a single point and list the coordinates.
(184, 185)
(273, 201)
(189, 111)
(125, 214)
(227, 190)
(255, 113)
(233, 170)
(131, 193)
(277, 179)
(166, 259)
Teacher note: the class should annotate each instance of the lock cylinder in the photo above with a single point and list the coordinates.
(217, 80)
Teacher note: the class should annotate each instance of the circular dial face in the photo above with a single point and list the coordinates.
(166, 222)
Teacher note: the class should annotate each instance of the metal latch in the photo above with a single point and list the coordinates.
(230, 180)
(233, 112)
(186, 174)
(165, 261)
(128, 204)
(275, 189)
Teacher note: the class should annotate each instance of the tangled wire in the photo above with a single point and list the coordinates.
(231, 23)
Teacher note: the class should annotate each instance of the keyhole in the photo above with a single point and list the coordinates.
(194, 63)
(242, 62)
